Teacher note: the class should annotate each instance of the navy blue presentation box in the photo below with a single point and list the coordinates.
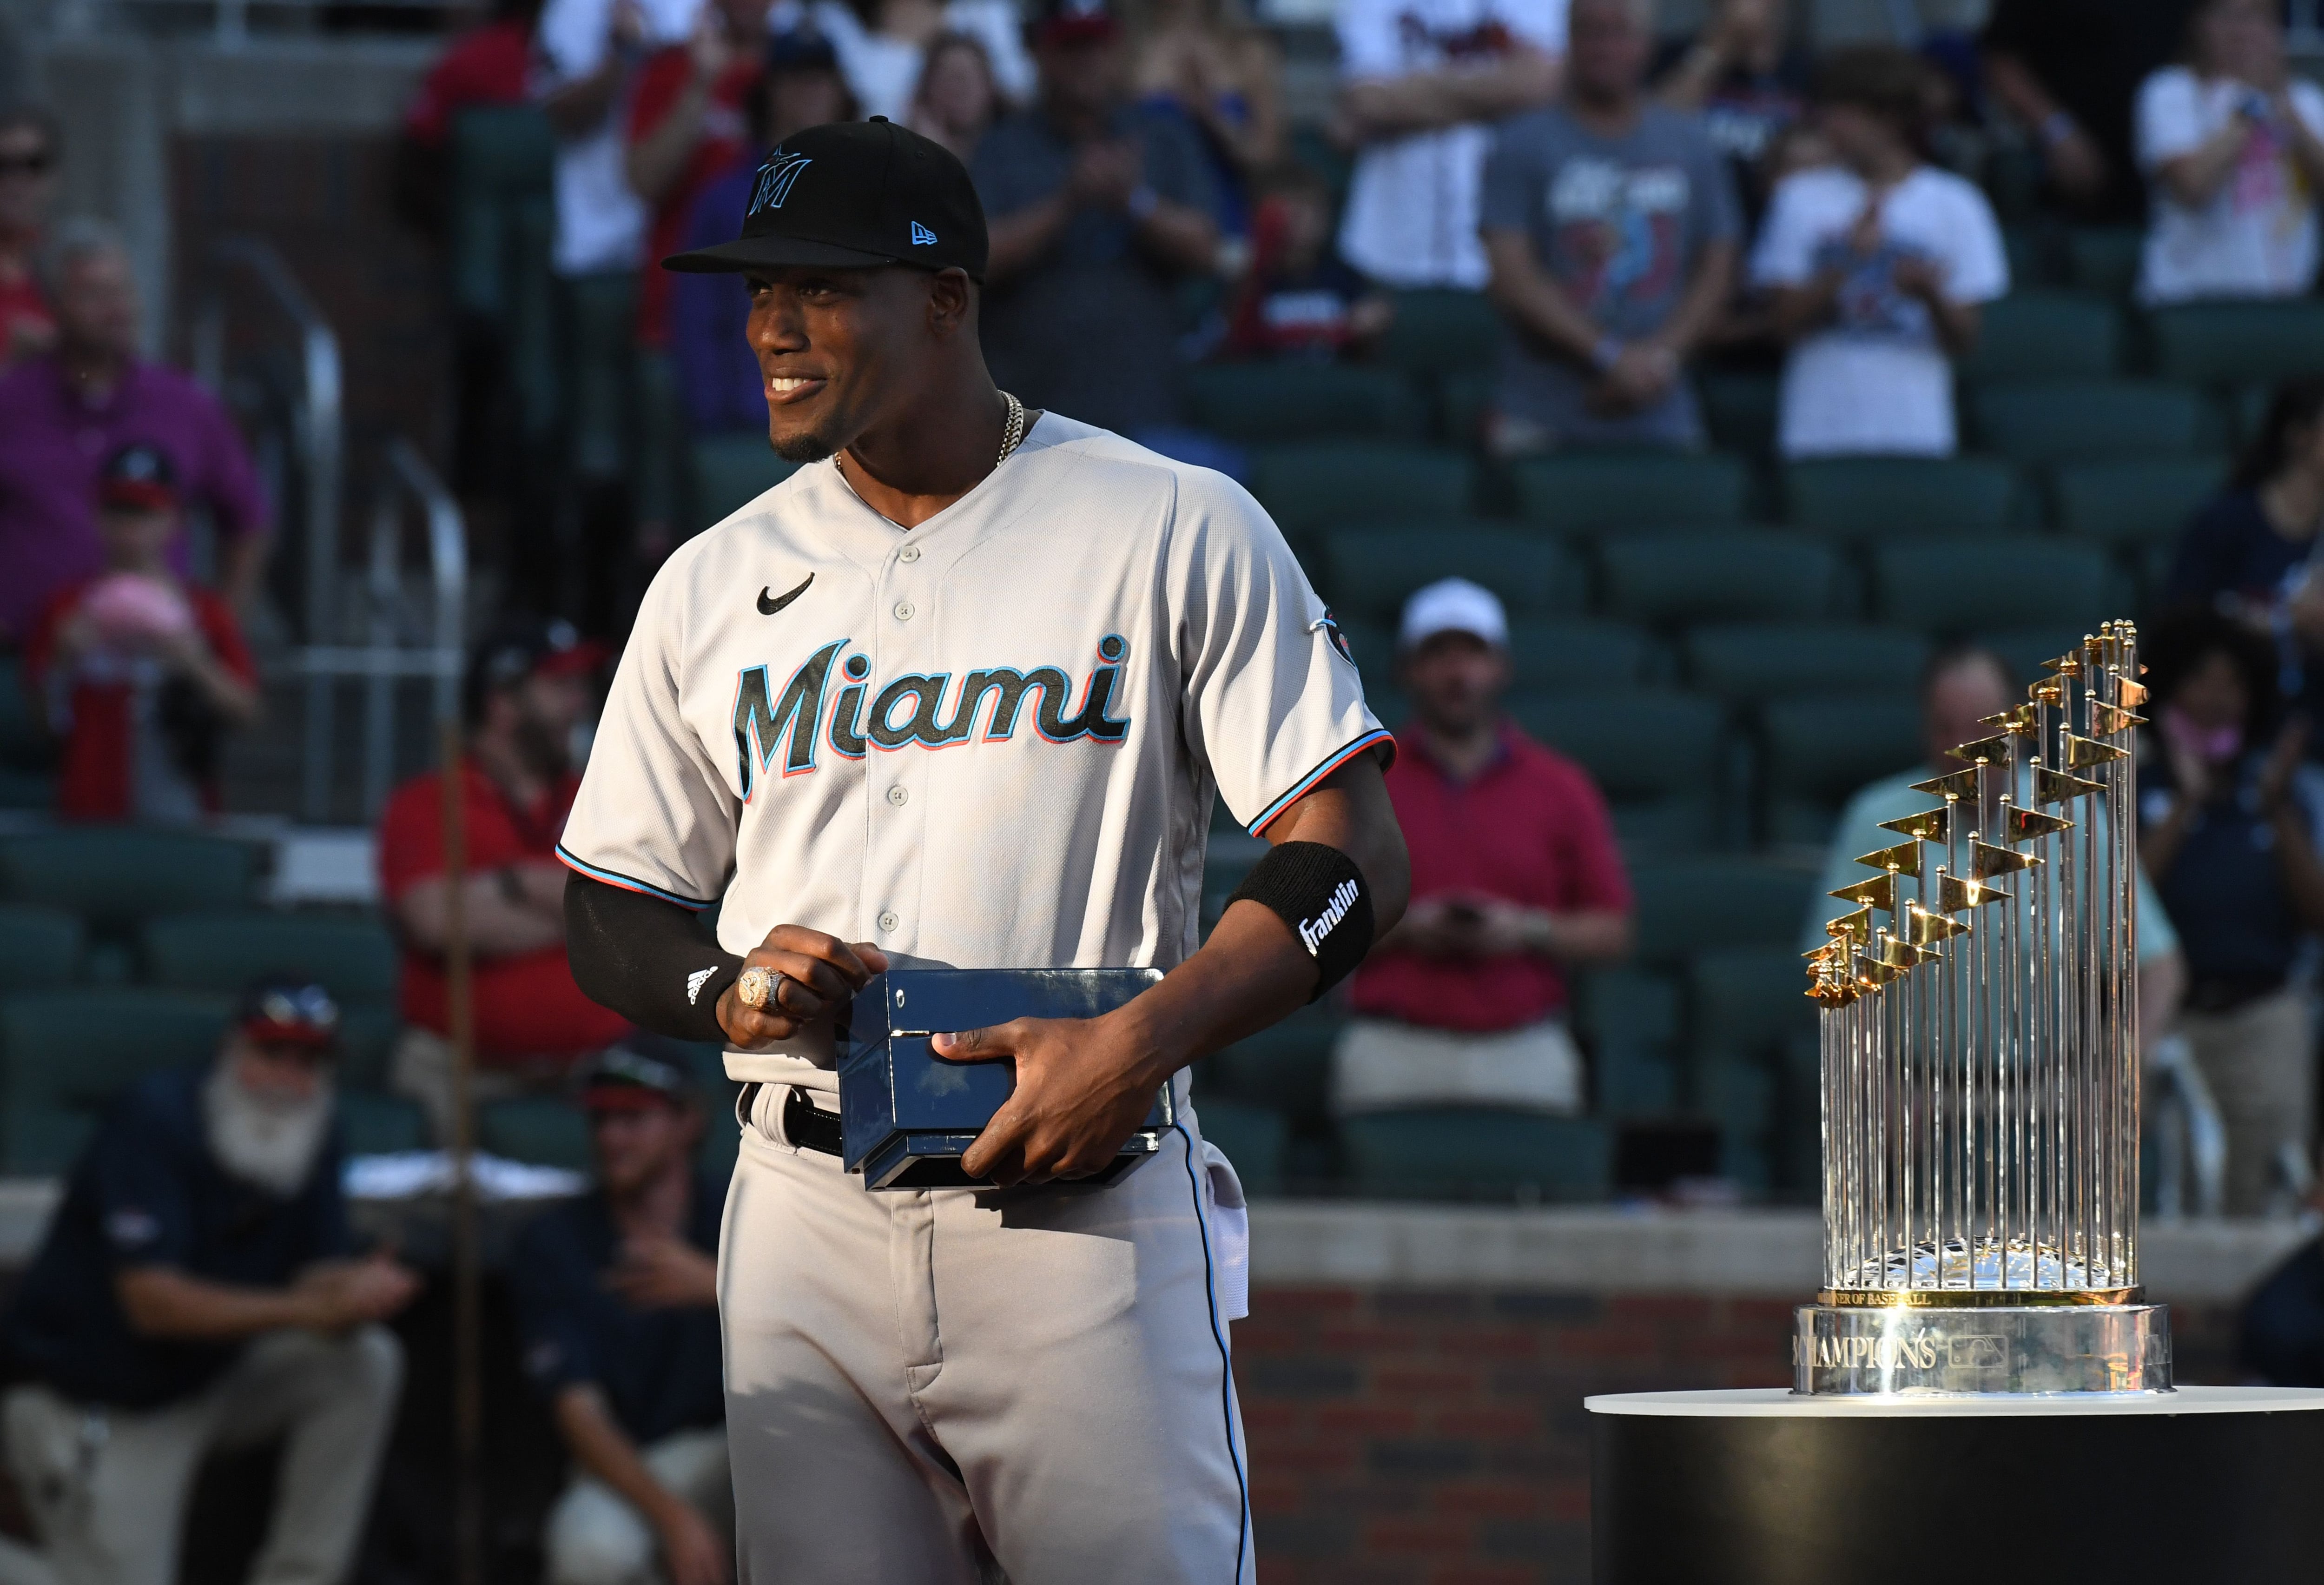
(906, 1116)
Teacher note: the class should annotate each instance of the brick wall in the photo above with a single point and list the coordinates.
(1437, 1437)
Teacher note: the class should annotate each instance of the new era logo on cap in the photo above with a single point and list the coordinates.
(922, 236)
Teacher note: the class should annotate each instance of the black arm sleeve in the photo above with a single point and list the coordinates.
(649, 961)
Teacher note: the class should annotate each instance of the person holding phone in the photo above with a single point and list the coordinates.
(1516, 880)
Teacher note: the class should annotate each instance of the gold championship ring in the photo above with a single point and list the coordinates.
(756, 988)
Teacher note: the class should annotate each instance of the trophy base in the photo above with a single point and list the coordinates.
(1928, 1347)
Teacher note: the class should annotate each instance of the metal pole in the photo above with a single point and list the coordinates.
(467, 1275)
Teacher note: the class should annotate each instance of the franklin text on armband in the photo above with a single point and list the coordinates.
(1311, 932)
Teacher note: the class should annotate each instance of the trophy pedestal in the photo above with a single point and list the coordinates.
(1938, 1347)
(1769, 1488)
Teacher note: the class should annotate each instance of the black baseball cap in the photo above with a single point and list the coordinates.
(521, 647)
(623, 1078)
(854, 195)
(140, 478)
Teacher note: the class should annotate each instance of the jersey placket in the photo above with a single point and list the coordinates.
(896, 779)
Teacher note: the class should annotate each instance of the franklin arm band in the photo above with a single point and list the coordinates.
(1321, 894)
(651, 962)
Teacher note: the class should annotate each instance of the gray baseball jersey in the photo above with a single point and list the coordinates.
(990, 742)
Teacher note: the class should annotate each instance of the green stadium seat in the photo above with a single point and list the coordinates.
(1476, 1152)
(2047, 336)
(1463, 399)
(1746, 663)
(2105, 259)
(1749, 1000)
(1975, 585)
(118, 876)
(1658, 757)
(372, 1124)
(1286, 1069)
(2239, 343)
(24, 742)
(2133, 502)
(730, 471)
(1817, 751)
(1740, 410)
(1254, 1138)
(1440, 332)
(503, 159)
(1587, 492)
(599, 372)
(1687, 906)
(1264, 402)
(1326, 482)
(67, 1055)
(354, 958)
(1861, 496)
(1629, 1021)
(1371, 572)
(2023, 650)
(1672, 579)
(40, 948)
(536, 1129)
(1572, 656)
(2037, 422)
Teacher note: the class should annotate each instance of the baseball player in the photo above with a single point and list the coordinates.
(960, 693)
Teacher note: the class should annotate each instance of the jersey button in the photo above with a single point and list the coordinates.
(908, 554)
(887, 921)
(904, 610)
(899, 797)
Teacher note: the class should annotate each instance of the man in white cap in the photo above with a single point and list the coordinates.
(1515, 879)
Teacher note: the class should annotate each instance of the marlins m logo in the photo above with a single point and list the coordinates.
(776, 176)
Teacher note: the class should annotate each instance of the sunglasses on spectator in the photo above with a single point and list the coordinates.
(36, 163)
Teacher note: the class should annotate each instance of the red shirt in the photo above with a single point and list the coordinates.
(724, 139)
(486, 65)
(527, 1004)
(24, 315)
(1530, 828)
(119, 762)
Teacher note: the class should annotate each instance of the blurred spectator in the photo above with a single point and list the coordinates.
(2231, 142)
(2228, 830)
(585, 52)
(138, 672)
(65, 411)
(194, 1292)
(1424, 81)
(29, 157)
(689, 125)
(717, 371)
(1960, 687)
(1300, 298)
(884, 45)
(486, 65)
(1514, 877)
(617, 1296)
(1749, 83)
(1612, 231)
(529, 689)
(1098, 209)
(1204, 61)
(2251, 551)
(2068, 71)
(1877, 266)
(957, 97)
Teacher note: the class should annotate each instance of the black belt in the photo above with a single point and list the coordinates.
(805, 1124)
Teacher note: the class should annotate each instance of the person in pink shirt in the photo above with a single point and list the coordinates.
(1516, 880)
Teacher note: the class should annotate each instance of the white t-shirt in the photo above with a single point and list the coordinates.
(882, 73)
(1412, 206)
(991, 742)
(1877, 381)
(601, 224)
(2258, 236)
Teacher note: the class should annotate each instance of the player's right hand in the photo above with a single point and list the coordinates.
(817, 975)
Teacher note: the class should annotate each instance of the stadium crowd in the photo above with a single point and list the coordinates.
(1609, 299)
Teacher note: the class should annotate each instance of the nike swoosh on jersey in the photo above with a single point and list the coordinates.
(770, 605)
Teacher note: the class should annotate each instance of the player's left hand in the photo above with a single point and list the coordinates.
(1082, 1086)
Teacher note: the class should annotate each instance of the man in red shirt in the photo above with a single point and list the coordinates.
(1514, 878)
(140, 672)
(528, 688)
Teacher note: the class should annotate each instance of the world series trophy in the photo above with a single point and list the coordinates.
(1980, 1067)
